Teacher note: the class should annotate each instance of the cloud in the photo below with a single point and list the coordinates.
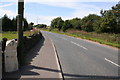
(80, 9)
(8, 12)
(39, 18)
(82, 13)
(4, 11)
(45, 19)
(6, 5)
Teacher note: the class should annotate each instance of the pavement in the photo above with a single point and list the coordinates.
(42, 62)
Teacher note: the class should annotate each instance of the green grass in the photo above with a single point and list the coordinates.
(13, 34)
(9, 35)
(103, 38)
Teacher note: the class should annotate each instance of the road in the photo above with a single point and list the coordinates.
(84, 59)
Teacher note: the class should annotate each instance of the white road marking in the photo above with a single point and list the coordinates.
(64, 38)
(79, 45)
(112, 62)
(58, 65)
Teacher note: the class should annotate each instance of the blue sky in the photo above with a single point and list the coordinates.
(44, 11)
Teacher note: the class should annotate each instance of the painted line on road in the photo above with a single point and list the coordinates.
(79, 45)
(112, 62)
(64, 38)
(58, 61)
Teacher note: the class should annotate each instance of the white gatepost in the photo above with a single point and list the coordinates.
(11, 61)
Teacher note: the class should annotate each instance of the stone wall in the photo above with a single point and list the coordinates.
(31, 41)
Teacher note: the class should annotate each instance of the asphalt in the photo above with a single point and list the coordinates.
(41, 63)
(85, 59)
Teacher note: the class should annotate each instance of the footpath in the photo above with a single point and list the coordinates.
(42, 62)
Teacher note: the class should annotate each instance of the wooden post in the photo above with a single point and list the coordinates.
(4, 40)
(20, 29)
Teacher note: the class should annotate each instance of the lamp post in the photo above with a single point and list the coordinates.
(20, 29)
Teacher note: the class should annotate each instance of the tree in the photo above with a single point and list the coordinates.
(116, 12)
(90, 22)
(11, 25)
(108, 23)
(30, 26)
(57, 23)
(76, 23)
(53, 24)
(66, 25)
(31, 23)
(41, 25)
(6, 23)
(60, 24)
(26, 27)
(14, 24)
(111, 20)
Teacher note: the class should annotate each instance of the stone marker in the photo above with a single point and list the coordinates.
(11, 62)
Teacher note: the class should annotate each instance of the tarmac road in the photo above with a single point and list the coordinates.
(84, 59)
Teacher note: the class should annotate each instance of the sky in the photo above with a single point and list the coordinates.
(44, 11)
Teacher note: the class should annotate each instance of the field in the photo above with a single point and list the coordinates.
(13, 34)
(103, 38)
(9, 35)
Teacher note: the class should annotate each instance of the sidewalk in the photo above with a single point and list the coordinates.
(42, 63)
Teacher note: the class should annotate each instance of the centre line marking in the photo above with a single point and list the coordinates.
(79, 45)
(112, 62)
(64, 38)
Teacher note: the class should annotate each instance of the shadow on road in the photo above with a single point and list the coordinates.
(26, 71)
(34, 52)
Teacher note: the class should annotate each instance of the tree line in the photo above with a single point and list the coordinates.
(11, 24)
(107, 22)
(40, 25)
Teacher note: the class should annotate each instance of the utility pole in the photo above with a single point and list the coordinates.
(20, 29)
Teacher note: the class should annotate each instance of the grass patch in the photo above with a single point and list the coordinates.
(103, 38)
(13, 34)
(9, 35)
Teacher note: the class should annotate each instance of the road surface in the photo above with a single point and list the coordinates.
(84, 59)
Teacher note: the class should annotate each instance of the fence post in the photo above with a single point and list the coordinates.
(4, 40)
